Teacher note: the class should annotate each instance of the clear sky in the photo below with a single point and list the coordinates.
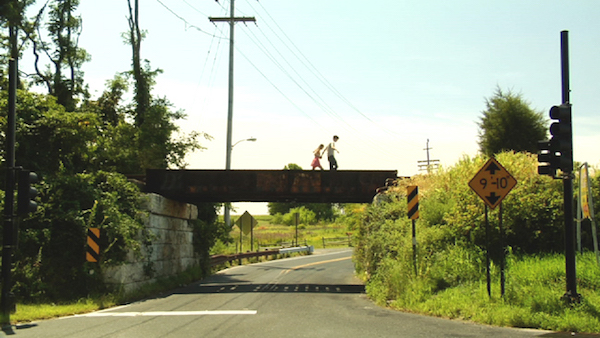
(386, 76)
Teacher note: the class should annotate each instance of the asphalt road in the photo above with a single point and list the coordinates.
(308, 296)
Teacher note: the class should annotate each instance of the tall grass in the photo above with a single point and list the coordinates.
(265, 234)
(452, 241)
(535, 286)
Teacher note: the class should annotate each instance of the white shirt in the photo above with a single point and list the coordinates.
(331, 149)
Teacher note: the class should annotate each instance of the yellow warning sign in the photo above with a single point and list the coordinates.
(492, 183)
(246, 222)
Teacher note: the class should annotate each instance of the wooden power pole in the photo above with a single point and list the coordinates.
(232, 20)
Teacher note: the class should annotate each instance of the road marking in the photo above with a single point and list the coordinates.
(277, 261)
(168, 313)
(315, 263)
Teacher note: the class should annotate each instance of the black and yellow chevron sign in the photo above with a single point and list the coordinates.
(93, 248)
(412, 195)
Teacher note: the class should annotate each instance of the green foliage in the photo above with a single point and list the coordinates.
(305, 216)
(450, 271)
(532, 215)
(208, 233)
(51, 251)
(12, 11)
(63, 53)
(508, 123)
(533, 299)
(351, 216)
(80, 150)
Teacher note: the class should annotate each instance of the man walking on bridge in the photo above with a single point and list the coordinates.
(331, 149)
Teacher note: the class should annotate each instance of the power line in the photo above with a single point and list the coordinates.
(302, 83)
(187, 24)
(318, 74)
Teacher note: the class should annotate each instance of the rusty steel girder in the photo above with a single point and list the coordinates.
(198, 186)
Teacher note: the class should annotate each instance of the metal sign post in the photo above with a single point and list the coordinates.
(492, 183)
(412, 196)
(585, 209)
(488, 278)
(297, 218)
(246, 223)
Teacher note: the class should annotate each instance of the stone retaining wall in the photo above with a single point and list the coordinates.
(171, 251)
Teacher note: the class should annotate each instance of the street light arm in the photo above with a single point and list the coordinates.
(252, 139)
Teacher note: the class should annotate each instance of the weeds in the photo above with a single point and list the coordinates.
(449, 278)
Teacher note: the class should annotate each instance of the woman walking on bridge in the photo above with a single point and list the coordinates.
(316, 162)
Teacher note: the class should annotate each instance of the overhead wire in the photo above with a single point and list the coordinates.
(211, 77)
(279, 90)
(187, 24)
(309, 65)
(214, 37)
(320, 102)
(315, 97)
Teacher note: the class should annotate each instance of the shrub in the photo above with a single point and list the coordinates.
(50, 261)
(306, 216)
(451, 231)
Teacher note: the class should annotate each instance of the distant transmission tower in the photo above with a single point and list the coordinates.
(428, 164)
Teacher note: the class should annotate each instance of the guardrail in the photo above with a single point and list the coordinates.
(280, 245)
(307, 248)
(222, 259)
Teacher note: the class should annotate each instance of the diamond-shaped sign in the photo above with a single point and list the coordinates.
(246, 222)
(492, 183)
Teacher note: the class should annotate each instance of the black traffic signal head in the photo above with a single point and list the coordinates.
(548, 161)
(26, 193)
(562, 137)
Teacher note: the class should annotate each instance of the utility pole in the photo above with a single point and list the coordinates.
(7, 299)
(232, 20)
(428, 164)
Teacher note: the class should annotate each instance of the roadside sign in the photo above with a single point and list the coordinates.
(412, 197)
(492, 183)
(92, 253)
(246, 222)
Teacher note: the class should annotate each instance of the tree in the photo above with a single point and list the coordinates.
(63, 52)
(508, 123)
(80, 151)
(153, 117)
(141, 75)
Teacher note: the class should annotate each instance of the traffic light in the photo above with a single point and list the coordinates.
(26, 193)
(562, 136)
(558, 152)
(548, 162)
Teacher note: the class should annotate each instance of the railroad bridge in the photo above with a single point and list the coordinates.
(307, 186)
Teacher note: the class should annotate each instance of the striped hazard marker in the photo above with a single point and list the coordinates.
(93, 248)
(412, 194)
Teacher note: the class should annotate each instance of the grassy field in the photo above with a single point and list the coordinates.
(535, 286)
(266, 234)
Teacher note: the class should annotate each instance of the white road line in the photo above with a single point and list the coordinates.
(277, 261)
(168, 313)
